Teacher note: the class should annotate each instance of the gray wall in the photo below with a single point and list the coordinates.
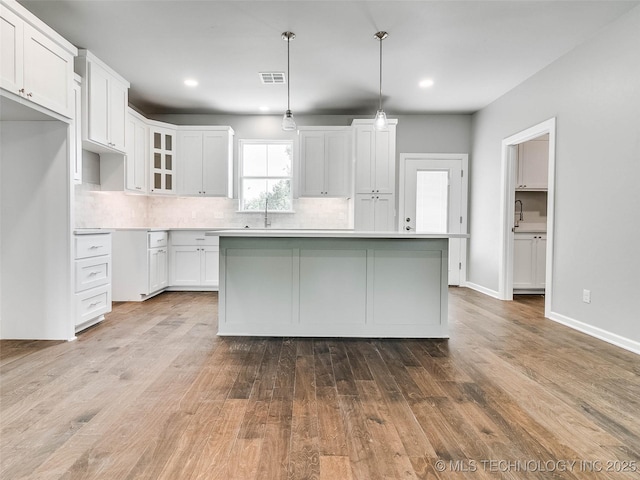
(594, 91)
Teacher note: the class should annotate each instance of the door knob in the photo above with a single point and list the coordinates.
(408, 219)
(407, 228)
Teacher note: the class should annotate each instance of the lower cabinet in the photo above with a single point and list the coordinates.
(194, 260)
(375, 212)
(529, 261)
(92, 278)
(140, 264)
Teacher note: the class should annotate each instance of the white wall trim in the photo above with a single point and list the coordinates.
(599, 333)
(481, 289)
(505, 271)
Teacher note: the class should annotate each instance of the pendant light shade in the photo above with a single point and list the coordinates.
(288, 123)
(380, 122)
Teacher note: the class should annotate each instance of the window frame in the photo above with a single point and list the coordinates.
(241, 143)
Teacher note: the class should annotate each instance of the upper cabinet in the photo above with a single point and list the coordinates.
(163, 164)
(375, 152)
(36, 63)
(325, 162)
(104, 106)
(205, 165)
(533, 164)
(137, 148)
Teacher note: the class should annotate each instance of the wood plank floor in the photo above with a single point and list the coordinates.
(153, 393)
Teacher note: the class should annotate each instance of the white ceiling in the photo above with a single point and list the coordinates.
(475, 51)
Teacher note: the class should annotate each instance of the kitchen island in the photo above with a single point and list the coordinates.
(333, 283)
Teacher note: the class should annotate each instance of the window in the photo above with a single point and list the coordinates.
(265, 175)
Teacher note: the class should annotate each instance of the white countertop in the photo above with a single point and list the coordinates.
(92, 231)
(275, 233)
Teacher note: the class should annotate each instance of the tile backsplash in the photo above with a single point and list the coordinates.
(98, 209)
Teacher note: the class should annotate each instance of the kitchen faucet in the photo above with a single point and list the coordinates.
(517, 223)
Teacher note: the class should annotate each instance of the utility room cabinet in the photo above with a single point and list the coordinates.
(533, 164)
(205, 161)
(140, 264)
(375, 176)
(105, 99)
(36, 63)
(194, 260)
(529, 262)
(325, 162)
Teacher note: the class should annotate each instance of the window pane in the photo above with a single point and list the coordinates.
(168, 162)
(279, 194)
(279, 160)
(432, 201)
(157, 160)
(254, 192)
(167, 142)
(157, 140)
(254, 160)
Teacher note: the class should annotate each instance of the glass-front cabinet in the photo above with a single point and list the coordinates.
(162, 160)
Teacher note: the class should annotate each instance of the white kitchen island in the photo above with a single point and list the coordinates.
(339, 283)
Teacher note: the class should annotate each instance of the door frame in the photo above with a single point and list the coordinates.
(464, 201)
(509, 156)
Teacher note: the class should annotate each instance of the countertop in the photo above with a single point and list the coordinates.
(531, 228)
(92, 231)
(275, 233)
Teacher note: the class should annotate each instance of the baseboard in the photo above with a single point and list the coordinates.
(609, 337)
(481, 289)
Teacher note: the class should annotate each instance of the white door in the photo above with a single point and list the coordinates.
(433, 199)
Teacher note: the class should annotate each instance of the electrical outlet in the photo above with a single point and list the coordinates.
(586, 296)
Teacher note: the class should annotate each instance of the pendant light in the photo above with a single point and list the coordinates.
(380, 122)
(288, 123)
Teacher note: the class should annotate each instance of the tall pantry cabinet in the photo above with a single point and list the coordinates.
(375, 176)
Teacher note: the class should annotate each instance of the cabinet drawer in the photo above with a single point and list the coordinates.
(158, 239)
(92, 303)
(192, 237)
(92, 272)
(92, 245)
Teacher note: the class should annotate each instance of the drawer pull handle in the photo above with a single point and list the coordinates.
(199, 238)
(93, 274)
(94, 304)
(93, 247)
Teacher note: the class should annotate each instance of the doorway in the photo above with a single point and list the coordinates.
(433, 199)
(510, 217)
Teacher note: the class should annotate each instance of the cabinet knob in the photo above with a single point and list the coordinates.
(30, 94)
(408, 219)
(407, 228)
(21, 90)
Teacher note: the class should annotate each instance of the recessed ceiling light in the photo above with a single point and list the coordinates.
(426, 83)
(264, 108)
(190, 82)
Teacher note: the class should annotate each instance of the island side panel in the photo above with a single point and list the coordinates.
(350, 287)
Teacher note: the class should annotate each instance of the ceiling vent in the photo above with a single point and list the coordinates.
(272, 78)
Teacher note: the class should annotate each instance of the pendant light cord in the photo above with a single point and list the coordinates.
(288, 74)
(380, 94)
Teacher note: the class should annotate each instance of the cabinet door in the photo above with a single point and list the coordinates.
(98, 108)
(312, 164)
(75, 149)
(11, 55)
(365, 212)
(385, 162)
(154, 278)
(533, 165)
(118, 99)
(136, 148)
(48, 72)
(190, 151)
(384, 213)
(210, 266)
(541, 261)
(215, 163)
(365, 152)
(185, 266)
(337, 163)
(523, 260)
(162, 160)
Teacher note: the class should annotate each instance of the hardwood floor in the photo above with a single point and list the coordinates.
(153, 393)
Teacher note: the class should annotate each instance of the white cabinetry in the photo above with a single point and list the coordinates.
(105, 100)
(205, 161)
(163, 165)
(529, 260)
(140, 264)
(533, 165)
(75, 147)
(325, 162)
(137, 147)
(34, 65)
(375, 177)
(92, 275)
(194, 260)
